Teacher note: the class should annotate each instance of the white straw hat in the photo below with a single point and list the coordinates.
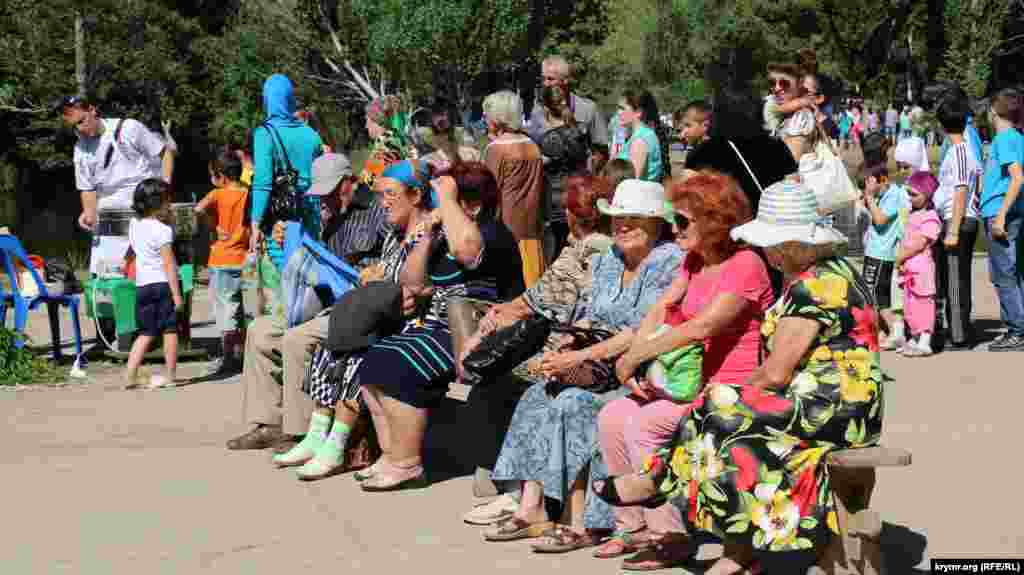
(788, 212)
(637, 198)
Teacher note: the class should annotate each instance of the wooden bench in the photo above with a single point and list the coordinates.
(857, 549)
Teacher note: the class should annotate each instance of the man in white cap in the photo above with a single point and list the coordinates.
(354, 229)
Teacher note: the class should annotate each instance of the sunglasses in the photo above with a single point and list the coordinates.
(783, 83)
(681, 224)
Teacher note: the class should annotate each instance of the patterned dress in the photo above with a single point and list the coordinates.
(553, 439)
(750, 464)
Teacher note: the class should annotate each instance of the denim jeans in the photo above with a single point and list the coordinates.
(1007, 273)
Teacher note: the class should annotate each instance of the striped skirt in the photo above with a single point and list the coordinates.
(414, 366)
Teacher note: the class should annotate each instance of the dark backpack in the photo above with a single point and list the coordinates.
(59, 270)
(285, 203)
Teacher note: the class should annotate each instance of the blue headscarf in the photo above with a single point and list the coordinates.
(279, 101)
(412, 174)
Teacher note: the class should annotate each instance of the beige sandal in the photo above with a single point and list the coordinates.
(514, 529)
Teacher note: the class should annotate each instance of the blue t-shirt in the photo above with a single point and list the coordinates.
(1007, 149)
(881, 241)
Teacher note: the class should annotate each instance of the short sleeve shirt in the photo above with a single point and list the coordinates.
(147, 236)
(228, 207)
(881, 241)
(1007, 149)
(959, 168)
(612, 305)
(132, 159)
(732, 355)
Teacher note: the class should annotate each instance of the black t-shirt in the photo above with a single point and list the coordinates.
(499, 276)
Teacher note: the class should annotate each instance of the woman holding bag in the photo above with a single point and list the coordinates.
(552, 439)
(715, 306)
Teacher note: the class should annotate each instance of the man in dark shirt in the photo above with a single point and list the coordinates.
(354, 229)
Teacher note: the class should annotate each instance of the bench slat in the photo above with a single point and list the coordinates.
(870, 457)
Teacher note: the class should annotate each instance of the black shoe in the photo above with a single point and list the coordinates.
(610, 494)
(1007, 342)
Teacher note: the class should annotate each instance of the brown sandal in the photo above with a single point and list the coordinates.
(661, 555)
(561, 539)
(622, 543)
(514, 529)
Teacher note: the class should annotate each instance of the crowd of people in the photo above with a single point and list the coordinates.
(671, 338)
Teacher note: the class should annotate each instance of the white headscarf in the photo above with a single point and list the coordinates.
(912, 151)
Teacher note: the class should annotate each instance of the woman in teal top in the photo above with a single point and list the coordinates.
(637, 113)
(300, 143)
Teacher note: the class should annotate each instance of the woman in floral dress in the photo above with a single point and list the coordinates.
(748, 464)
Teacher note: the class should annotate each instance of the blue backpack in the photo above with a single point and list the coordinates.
(313, 277)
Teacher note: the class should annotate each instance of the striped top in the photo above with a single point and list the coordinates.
(793, 205)
(358, 235)
(959, 168)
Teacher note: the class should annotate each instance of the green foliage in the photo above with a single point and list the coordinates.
(973, 32)
(20, 366)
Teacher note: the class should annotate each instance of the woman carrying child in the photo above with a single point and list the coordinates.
(916, 266)
(157, 298)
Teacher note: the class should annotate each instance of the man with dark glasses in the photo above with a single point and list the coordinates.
(111, 157)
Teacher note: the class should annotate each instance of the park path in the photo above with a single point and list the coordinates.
(97, 480)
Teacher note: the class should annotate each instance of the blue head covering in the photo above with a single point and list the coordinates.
(279, 100)
(413, 174)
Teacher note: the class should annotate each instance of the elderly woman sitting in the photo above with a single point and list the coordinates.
(719, 299)
(555, 298)
(464, 251)
(553, 435)
(748, 464)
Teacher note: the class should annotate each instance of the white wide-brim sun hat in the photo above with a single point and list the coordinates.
(787, 212)
(637, 198)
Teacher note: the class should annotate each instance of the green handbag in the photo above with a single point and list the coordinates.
(678, 374)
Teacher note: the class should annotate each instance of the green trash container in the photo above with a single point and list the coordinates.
(113, 299)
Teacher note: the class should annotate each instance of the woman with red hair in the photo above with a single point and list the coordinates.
(719, 299)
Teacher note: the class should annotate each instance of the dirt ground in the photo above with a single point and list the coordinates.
(99, 480)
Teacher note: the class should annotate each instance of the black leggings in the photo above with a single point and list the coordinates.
(953, 283)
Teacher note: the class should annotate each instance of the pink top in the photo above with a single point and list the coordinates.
(919, 270)
(731, 356)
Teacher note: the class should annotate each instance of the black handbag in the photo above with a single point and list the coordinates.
(502, 350)
(285, 204)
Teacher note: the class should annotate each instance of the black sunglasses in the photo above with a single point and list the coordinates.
(682, 222)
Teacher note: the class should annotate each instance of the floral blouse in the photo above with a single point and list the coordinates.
(609, 304)
(840, 377)
(556, 294)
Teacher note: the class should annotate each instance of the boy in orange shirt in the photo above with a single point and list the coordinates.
(226, 206)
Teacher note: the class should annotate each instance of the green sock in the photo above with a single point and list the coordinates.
(333, 446)
(318, 425)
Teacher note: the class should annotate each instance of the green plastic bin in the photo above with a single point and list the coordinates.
(120, 304)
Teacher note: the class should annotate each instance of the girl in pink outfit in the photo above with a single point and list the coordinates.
(916, 266)
(719, 298)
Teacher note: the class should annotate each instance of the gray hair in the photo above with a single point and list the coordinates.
(557, 63)
(505, 108)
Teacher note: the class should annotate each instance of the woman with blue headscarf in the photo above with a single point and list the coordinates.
(447, 243)
(283, 139)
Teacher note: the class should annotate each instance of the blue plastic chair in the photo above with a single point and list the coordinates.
(11, 250)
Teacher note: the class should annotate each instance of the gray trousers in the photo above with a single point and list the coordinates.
(275, 365)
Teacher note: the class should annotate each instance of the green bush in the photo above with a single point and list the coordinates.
(20, 365)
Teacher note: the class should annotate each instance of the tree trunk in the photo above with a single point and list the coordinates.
(936, 36)
(80, 74)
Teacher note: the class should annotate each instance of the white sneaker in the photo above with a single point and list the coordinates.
(497, 510)
(917, 349)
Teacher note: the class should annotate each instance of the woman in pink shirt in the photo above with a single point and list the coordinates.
(720, 298)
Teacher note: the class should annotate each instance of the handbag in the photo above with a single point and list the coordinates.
(596, 376)
(285, 203)
(677, 374)
(824, 172)
(502, 350)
